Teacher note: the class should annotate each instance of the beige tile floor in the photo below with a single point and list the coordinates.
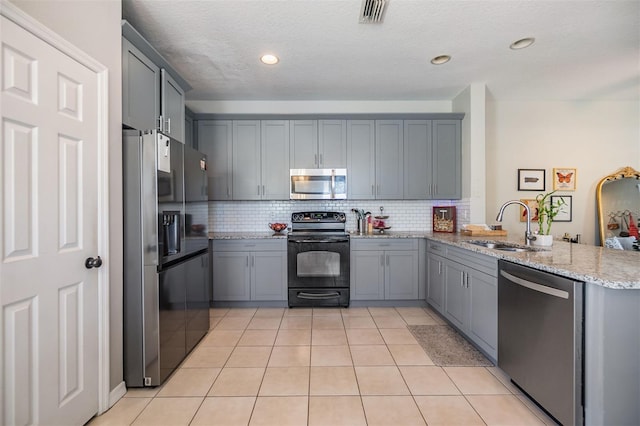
(356, 366)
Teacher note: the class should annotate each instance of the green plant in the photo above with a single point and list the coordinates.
(547, 211)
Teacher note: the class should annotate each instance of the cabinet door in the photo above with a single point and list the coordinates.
(389, 159)
(401, 275)
(304, 144)
(275, 159)
(140, 89)
(361, 159)
(455, 298)
(417, 159)
(247, 184)
(231, 276)
(332, 144)
(367, 275)
(447, 159)
(215, 139)
(269, 275)
(483, 315)
(172, 107)
(435, 281)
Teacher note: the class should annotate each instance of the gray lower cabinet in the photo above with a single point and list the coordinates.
(245, 270)
(385, 269)
(463, 286)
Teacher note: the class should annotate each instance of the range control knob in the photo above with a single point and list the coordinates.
(297, 217)
(340, 217)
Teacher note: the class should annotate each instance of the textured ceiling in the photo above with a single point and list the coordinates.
(583, 49)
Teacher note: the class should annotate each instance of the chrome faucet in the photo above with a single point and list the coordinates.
(528, 235)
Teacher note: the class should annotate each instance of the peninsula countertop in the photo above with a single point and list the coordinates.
(616, 269)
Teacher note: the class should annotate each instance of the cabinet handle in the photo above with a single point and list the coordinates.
(378, 190)
(439, 268)
(262, 189)
(315, 159)
(321, 160)
(382, 260)
(247, 260)
(160, 123)
(462, 279)
(258, 189)
(373, 190)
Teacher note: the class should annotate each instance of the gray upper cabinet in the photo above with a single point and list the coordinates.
(189, 131)
(432, 159)
(318, 144)
(447, 159)
(275, 159)
(215, 139)
(332, 144)
(389, 159)
(172, 106)
(140, 89)
(361, 159)
(246, 178)
(417, 159)
(304, 144)
(152, 92)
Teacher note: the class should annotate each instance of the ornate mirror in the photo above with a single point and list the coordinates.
(618, 198)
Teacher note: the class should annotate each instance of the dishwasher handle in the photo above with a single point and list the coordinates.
(535, 286)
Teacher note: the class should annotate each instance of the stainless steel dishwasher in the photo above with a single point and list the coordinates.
(540, 338)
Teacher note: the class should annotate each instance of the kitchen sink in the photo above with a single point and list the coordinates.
(501, 246)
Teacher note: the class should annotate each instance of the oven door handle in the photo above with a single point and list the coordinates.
(318, 296)
(337, 240)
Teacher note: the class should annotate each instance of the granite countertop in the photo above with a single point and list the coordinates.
(599, 265)
(245, 235)
(602, 266)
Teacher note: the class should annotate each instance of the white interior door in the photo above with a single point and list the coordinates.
(49, 187)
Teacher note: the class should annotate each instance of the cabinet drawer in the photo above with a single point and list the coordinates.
(384, 244)
(477, 261)
(249, 245)
(436, 248)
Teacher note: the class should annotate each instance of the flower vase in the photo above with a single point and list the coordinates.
(543, 241)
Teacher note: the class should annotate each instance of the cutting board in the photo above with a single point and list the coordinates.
(483, 233)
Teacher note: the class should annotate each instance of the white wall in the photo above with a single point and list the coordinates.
(597, 138)
(94, 27)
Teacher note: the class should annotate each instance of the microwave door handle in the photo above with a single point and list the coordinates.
(333, 184)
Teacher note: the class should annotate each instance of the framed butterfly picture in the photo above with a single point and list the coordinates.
(564, 179)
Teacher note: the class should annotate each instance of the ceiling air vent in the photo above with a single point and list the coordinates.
(372, 11)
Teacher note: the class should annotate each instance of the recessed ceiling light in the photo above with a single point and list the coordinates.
(269, 59)
(442, 59)
(522, 43)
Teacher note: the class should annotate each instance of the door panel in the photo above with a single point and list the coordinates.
(50, 166)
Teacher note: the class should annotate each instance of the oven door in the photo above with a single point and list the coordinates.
(318, 261)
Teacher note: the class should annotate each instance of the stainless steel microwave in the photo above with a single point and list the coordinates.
(318, 184)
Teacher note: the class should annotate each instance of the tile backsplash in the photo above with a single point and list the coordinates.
(252, 216)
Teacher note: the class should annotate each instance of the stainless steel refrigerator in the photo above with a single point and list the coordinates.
(166, 260)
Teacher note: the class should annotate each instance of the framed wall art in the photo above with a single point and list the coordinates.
(444, 219)
(531, 179)
(564, 179)
(565, 213)
(533, 207)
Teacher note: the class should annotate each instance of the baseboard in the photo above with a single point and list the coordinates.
(117, 393)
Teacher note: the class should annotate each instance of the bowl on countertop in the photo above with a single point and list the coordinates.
(278, 227)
